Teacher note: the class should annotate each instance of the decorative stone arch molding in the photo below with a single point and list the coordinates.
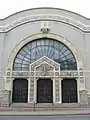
(47, 17)
(72, 47)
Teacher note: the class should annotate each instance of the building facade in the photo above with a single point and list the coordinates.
(44, 57)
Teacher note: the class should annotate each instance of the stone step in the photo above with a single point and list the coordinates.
(17, 110)
(45, 104)
(23, 108)
(42, 106)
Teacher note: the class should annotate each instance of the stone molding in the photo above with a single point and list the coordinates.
(22, 20)
(17, 74)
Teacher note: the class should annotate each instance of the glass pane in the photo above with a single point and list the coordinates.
(17, 65)
(17, 60)
(20, 56)
(33, 44)
(56, 45)
(26, 49)
(56, 52)
(17, 69)
(38, 42)
(33, 54)
(28, 56)
(51, 43)
(46, 42)
(64, 49)
(23, 52)
(42, 42)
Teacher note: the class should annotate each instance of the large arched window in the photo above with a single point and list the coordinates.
(51, 48)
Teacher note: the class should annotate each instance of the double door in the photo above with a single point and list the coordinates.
(69, 91)
(44, 91)
(20, 90)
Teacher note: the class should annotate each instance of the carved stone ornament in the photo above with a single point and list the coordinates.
(45, 27)
(47, 60)
(81, 80)
(44, 70)
(83, 96)
(44, 67)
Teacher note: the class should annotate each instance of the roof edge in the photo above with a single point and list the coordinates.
(44, 8)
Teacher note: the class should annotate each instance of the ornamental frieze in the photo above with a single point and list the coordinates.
(40, 74)
(20, 73)
(45, 72)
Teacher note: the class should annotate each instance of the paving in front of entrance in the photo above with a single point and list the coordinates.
(44, 109)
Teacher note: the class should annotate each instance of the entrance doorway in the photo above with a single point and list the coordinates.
(44, 91)
(69, 91)
(20, 90)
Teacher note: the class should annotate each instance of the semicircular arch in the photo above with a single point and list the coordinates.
(32, 38)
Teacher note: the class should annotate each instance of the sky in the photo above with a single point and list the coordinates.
(8, 7)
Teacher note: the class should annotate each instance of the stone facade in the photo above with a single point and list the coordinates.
(67, 27)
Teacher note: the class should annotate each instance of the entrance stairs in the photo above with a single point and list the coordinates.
(45, 109)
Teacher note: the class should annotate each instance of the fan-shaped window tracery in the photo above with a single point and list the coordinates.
(51, 48)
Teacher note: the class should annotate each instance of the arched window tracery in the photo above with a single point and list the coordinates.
(51, 48)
